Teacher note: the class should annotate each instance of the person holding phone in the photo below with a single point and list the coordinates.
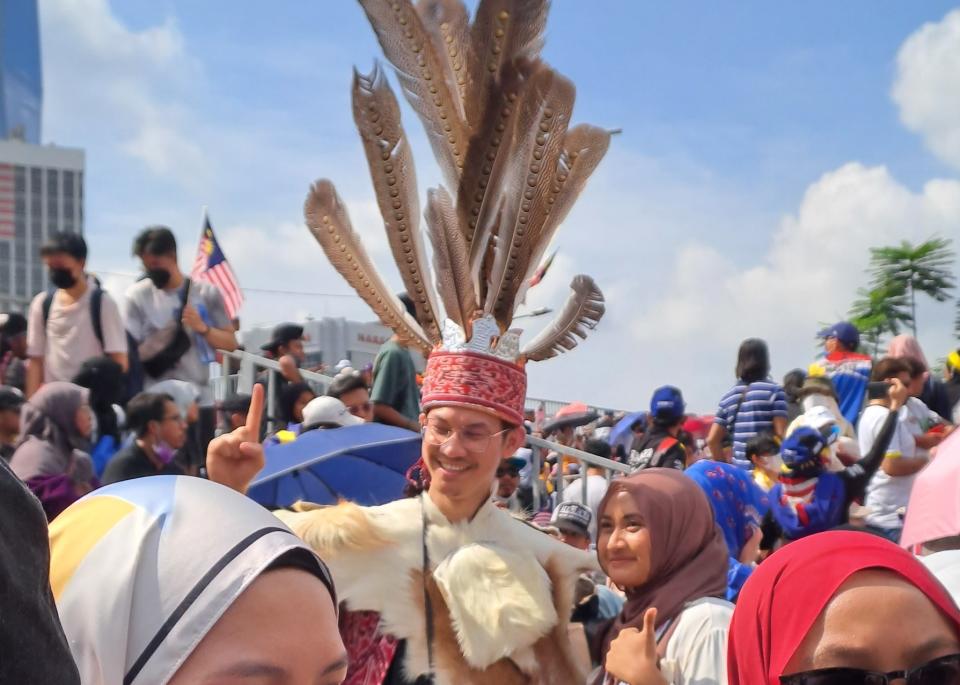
(889, 489)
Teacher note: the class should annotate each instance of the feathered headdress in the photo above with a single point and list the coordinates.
(498, 120)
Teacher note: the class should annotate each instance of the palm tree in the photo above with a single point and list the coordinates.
(879, 311)
(923, 268)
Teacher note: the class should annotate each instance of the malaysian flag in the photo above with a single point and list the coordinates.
(212, 266)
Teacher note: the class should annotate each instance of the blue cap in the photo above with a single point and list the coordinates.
(845, 332)
(801, 450)
(667, 404)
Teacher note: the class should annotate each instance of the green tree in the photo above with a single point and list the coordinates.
(880, 311)
(923, 268)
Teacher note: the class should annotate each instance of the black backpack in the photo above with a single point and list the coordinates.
(135, 374)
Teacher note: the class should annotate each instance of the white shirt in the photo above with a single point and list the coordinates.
(886, 494)
(918, 419)
(596, 489)
(697, 650)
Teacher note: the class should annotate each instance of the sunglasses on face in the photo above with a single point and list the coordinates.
(513, 473)
(942, 671)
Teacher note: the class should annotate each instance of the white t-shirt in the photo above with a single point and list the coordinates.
(149, 310)
(697, 650)
(596, 489)
(886, 494)
(918, 419)
(68, 339)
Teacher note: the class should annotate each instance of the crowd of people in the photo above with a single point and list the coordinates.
(742, 547)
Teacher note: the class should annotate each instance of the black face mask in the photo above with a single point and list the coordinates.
(62, 278)
(159, 277)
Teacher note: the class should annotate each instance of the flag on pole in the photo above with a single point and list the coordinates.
(211, 266)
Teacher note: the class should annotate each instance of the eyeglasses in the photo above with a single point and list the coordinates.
(471, 440)
(942, 671)
(513, 473)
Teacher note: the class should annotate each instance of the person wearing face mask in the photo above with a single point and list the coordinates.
(75, 322)
(176, 322)
(160, 431)
(763, 451)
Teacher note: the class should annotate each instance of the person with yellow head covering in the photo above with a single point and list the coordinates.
(952, 377)
(177, 580)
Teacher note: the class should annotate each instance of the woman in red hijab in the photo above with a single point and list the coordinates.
(844, 608)
(657, 539)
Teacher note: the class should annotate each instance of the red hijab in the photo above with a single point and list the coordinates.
(786, 594)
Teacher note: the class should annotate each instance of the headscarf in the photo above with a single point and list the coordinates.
(142, 570)
(183, 394)
(51, 457)
(788, 591)
(104, 378)
(288, 397)
(907, 346)
(688, 556)
(738, 506)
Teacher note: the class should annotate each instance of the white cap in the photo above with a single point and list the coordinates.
(327, 411)
(342, 364)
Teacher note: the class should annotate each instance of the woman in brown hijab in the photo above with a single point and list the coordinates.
(657, 540)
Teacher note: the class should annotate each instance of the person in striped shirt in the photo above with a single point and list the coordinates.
(753, 406)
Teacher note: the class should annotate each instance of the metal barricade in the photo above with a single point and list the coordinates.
(539, 445)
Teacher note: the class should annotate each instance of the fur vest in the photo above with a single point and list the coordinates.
(501, 590)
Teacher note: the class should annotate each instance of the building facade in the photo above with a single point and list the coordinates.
(21, 77)
(41, 191)
(331, 339)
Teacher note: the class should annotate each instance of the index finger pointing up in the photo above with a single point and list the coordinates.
(255, 413)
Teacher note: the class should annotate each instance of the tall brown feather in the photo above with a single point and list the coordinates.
(583, 148)
(448, 24)
(328, 221)
(582, 311)
(503, 31)
(541, 124)
(377, 115)
(451, 259)
(488, 153)
(408, 46)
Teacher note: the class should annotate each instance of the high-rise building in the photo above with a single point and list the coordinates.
(41, 191)
(21, 78)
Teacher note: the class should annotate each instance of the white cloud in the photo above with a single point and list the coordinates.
(927, 86)
(125, 84)
(686, 330)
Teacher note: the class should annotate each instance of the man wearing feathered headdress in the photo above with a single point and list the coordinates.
(446, 587)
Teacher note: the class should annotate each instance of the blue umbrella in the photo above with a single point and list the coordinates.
(621, 434)
(366, 464)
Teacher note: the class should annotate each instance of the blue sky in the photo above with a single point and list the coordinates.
(752, 131)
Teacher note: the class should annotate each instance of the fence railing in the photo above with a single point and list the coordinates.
(540, 446)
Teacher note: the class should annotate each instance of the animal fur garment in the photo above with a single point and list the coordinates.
(498, 120)
(506, 587)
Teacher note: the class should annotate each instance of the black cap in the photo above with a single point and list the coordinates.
(282, 335)
(10, 398)
(72, 244)
(572, 517)
(12, 324)
(236, 404)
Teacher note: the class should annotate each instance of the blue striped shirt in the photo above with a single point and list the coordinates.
(763, 401)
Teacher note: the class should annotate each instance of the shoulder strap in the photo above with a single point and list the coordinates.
(96, 310)
(736, 411)
(47, 306)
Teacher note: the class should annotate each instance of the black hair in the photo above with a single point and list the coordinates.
(144, 408)
(344, 383)
(888, 367)
(761, 444)
(600, 448)
(792, 382)
(408, 304)
(753, 361)
(157, 241)
(104, 378)
(67, 243)
(288, 397)
(916, 367)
